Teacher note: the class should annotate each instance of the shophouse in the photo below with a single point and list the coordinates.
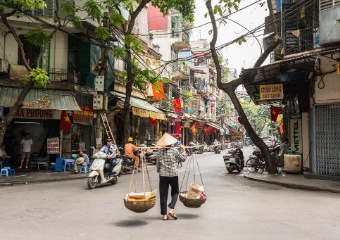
(307, 68)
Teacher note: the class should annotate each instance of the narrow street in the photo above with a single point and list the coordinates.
(236, 208)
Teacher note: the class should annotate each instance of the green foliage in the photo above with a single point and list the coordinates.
(133, 43)
(94, 10)
(37, 36)
(241, 40)
(39, 76)
(26, 4)
(187, 94)
(102, 33)
(70, 10)
(185, 7)
(119, 53)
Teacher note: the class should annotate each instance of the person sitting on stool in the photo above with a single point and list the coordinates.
(82, 160)
(4, 158)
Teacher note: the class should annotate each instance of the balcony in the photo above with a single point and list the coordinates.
(179, 71)
(182, 40)
(187, 88)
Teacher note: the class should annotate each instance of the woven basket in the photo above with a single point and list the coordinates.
(191, 203)
(140, 206)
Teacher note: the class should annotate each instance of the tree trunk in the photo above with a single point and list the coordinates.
(230, 88)
(11, 114)
(128, 92)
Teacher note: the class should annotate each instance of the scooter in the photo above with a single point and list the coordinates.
(103, 170)
(217, 149)
(234, 160)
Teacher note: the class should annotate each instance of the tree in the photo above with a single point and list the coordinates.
(134, 74)
(38, 37)
(230, 87)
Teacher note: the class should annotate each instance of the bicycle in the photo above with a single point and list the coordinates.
(254, 164)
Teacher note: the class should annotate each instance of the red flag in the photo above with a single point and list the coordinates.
(193, 128)
(274, 112)
(178, 128)
(65, 122)
(177, 105)
(158, 93)
(153, 121)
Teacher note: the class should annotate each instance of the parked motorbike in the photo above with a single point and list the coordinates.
(217, 149)
(103, 170)
(197, 148)
(234, 160)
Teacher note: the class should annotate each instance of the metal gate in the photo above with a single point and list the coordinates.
(325, 139)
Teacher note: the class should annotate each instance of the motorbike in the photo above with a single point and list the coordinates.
(151, 154)
(197, 148)
(103, 170)
(234, 160)
(217, 149)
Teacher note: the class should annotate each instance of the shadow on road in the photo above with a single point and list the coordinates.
(187, 216)
(130, 223)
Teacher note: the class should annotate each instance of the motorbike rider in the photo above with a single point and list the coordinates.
(110, 150)
(129, 150)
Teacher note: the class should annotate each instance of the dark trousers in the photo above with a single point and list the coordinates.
(164, 183)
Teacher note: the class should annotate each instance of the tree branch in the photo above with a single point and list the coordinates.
(134, 15)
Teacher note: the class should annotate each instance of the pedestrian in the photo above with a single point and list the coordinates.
(26, 148)
(167, 161)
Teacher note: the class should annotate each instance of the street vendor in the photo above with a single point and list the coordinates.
(167, 162)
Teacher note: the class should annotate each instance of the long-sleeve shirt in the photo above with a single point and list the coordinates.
(167, 161)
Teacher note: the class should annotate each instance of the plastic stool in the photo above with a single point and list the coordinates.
(4, 172)
(83, 169)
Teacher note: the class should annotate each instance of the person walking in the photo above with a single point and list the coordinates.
(26, 148)
(167, 161)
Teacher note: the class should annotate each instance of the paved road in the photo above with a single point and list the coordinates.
(236, 209)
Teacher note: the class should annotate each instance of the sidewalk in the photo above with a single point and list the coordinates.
(299, 181)
(28, 176)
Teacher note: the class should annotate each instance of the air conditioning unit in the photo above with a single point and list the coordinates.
(329, 22)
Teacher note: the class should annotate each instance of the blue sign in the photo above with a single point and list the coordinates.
(1, 112)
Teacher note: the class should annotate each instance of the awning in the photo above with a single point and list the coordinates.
(214, 125)
(141, 107)
(198, 70)
(40, 99)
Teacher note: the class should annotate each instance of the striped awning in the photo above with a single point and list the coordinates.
(39, 99)
(141, 107)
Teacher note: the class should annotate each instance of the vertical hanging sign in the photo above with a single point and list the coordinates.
(295, 135)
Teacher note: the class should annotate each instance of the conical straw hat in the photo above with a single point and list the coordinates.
(166, 140)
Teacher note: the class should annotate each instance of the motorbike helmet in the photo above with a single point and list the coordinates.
(130, 139)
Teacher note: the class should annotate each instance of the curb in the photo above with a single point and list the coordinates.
(295, 186)
(5, 184)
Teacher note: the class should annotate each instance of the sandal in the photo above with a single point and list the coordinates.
(173, 215)
(165, 217)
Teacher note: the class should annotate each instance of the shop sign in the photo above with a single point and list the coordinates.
(27, 113)
(81, 120)
(146, 113)
(86, 112)
(186, 124)
(296, 135)
(53, 146)
(271, 91)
